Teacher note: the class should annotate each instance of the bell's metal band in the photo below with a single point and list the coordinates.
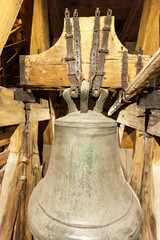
(77, 49)
(124, 70)
(98, 78)
(95, 44)
(70, 56)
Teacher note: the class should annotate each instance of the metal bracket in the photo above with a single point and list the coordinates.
(70, 58)
(101, 100)
(71, 105)
(102, 52)
(124, 70)
(95, 44)
(139, 61)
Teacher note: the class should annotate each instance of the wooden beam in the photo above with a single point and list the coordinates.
(38, 112)
(133, 116)
(9, 10)
(50, 69)
(22, 172)
(9, 197)
(154, 123)
(40, 40)
(148, 73)
(11, 111)
(16, 140)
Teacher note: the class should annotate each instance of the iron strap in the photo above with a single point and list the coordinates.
(70, 57)
(95, 44)
(139, 60)
(77, 49)
(99, 74)
(124, 70)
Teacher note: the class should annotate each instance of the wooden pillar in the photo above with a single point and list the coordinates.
(40, 27)
(148, 36)
(146, 168)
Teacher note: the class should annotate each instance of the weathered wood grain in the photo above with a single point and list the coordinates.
(38, 112)
(11, 111)
(16, 140)
(133, 116)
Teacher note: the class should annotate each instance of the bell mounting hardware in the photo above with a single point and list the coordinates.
(74, 55)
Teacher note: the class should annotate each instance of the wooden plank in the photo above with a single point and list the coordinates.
(133, 116)
(148, 36)
(128, 139)
(9, 10)
(22, 172)
(11, 112)
(138, 163)
(149, 223)
(31, 174)
(148, 73)
(154, 123)
(3, 157)
(126, 158)
(151, 100)
(9, 197)
(40, 40)
(38, 112)
(47, 71)
(155, 173)
(155, 193)
(16, 140)
(6, 93)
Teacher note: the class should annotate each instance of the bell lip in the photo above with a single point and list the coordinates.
(89, 120)
(58, 228)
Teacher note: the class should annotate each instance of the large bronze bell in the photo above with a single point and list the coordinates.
(84, 195)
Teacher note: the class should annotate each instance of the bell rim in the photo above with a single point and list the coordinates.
(38, 233)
